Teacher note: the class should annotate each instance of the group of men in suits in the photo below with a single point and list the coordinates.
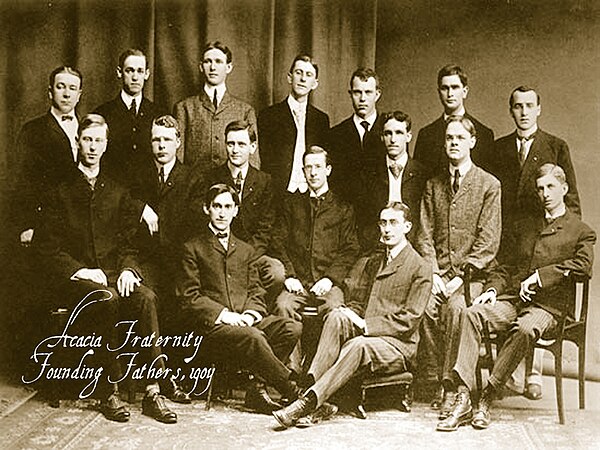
(187, 227)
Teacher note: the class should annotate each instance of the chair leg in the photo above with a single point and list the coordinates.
(209, 394)
(558, 381)
(581, 361)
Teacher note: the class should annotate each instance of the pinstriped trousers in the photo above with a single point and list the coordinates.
(525, 324)
(343, 351)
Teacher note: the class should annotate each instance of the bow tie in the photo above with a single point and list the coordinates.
(66, 117)
(222, 235)
(526, 138)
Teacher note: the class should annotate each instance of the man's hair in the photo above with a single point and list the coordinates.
(522, 89)
(464, 121)
(167, 121)
(92, 120)
(218, 189)
(363, 74)
(551, 169)
(65, 69)
(399, 206)
(308, 59)
(219, 46)
(452, 69)
(131, 52)
(316, 150)
(396, 115)
(240, 125)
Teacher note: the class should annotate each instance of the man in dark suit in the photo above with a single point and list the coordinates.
(453, 89)
(203, 117)
(355, 144)
(398, 177)
(129, 117)
(378, 330)
(460, 225)
(254, 222)
(85, 245)
(47, 149)
(223, 299)
(288, 128)
(524, 296)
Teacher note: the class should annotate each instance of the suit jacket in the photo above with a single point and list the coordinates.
(277, 131)
(462, 228)
(212, 278)
(430, 145)
(203, 130)
(129, 144)
(45, 160)
(85, 228)
(376, 197)
(518, 184)
(555, 250)
(312, 249)
(254, 222)
(352, 162)
(392, 298)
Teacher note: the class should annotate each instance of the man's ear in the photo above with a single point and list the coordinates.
(565, 188)
(205, 208)
(407, 226)
(119, 72)
(408, 136)
(328, 170)
(147, 74)
(235, 211)
(252, 148)
(466, 89)
(229, 68)
(377, 95)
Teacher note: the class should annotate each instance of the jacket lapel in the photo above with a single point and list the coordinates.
(249, 183)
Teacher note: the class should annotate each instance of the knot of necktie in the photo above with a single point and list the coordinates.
(396, 169)
(133, 107)
(66, 118)
(238, 181)
(365, 125)
(222, 235)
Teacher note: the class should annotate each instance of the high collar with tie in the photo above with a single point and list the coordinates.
(215, 93)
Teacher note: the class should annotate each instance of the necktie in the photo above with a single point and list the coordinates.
(315, 203)
(222, 235)
(396, 169)
(523, 149)
(91, 181)
(161, 176)
(237, 182)
(389, 257)
(456, 182)
(133, 107)
(66, 117)
(215, 100)
(365, 125)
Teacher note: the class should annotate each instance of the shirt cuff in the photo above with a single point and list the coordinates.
(537, 277)
(257, 316)
(133, 271)
(219, 317)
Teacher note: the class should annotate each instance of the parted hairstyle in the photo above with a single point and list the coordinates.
(131, 52)
(551, 169)
(65, 69)
(363, 74)
(239, 125)
(219, 46)
(399, 206)
(218, 189)
(396, 115)
(465, 122)
(452, 69)
(92, 120)
(308, 59)
(522, 89)
(316, 150)
(167, 121)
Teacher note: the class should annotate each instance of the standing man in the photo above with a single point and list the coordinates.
(460, 225)
(453, 88)
(378, 330)
(288, 128)
(129, 117)
(524, 296)
(223, 300)
(85, 245)
(48, 150)
(397, 178)
(203, 117)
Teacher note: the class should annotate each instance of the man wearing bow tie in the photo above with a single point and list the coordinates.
(398, 177)
(460, 225)
(222, 298)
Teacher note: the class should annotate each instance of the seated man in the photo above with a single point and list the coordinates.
(85, 242)
(378, 330)
(222, 298)
(525, 296)
(460, 225)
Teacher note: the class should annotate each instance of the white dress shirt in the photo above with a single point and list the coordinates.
(527, 143)
(210, 91)
(127, 99)
(395, 184)
(234, 173)
(70, 127)
(462, 170)
(167, 168)
(357, 123)
(297, 179)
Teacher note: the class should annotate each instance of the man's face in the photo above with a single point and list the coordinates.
(393, 227)
(396, 138)
(221, 211)
(133, 74)
(215, 67)
(525, 109)
(551, 192)
(316, 171)
(452, 93)
(164, 144)
(239, 147)
(364, 96)
(65, 92)
(302, 79)
(92, 144)
(459, 143)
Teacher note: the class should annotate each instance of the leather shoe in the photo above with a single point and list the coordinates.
(438, 397)
(323, 412)
(461, 414)
(114, 409)
(173, 392)
(481, 419)
(447, 404)
(155, 406)
(258, 399)
(533, 391)
(289, 415)
(356, 410)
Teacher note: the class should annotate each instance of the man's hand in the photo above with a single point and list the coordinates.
(151, 219)
(26, 236)
(438, 286)
(233, 318)
(95, 275)
(355, 318)
(488, 296)
(248, 319)
(127, 283)
(322, 287)
(528, 287)
(294, 285)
